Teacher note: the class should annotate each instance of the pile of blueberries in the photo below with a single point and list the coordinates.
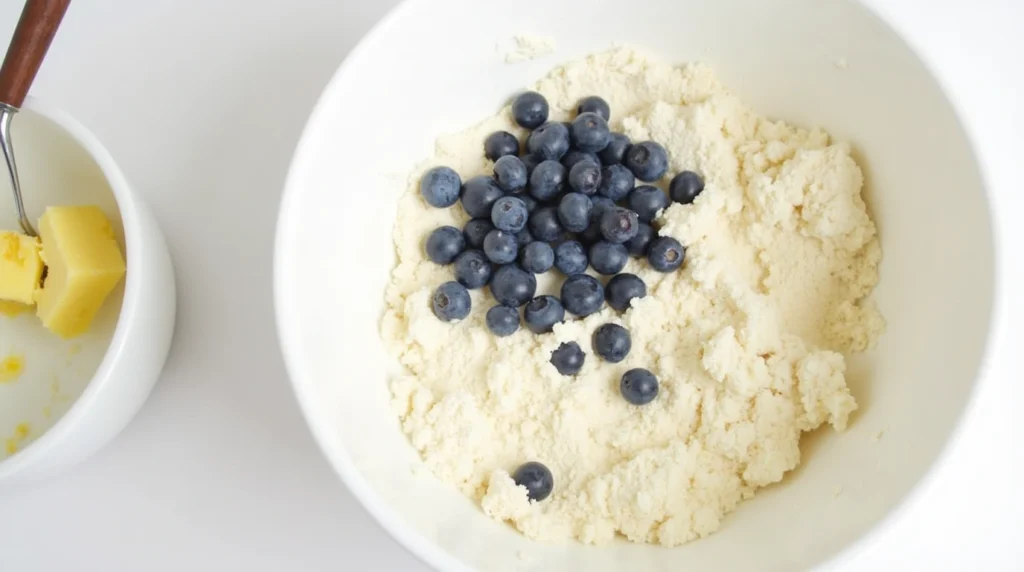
(568, 200)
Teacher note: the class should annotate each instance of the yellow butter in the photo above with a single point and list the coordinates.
(84, 263)
(20, 267)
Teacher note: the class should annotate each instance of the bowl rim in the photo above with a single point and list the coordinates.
(430, 553)
(37, 450)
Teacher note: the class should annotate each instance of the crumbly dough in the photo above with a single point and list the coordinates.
(747, 339)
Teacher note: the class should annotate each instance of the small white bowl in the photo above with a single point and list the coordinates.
(431, 68)
(74, 396)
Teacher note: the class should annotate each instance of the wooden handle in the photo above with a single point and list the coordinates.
(36, 28)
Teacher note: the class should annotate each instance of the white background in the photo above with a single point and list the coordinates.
(201, 102)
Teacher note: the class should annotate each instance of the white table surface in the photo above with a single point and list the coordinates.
(201, 102)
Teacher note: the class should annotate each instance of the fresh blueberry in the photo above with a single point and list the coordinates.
(550, 141)
(476, 230)
(608, 258)
(685, 187)
(622, 288)
(501, 247)
(648, 161)
(513, 286)
(530, 109)
(542, 313)
(619, 225)
(574, 212)
(590, 132)
(510, 173)
(665, 254)
(594, 104)
(472, 269)
(444, 244)
(502, 321)
(639, 386)
(593, 232)
(530, 202)
(568, 358)
(509, 214)
(544, 224)
(585, 177)
(576, 156)
(571, 258)
(451, 302)
(536, 479)
(637, 246)
(612, 342)
(523, 238)
(531, 162)
(440, 187)
(615, 151)
(479, 195)
(537, 257)
(547, 180)
(616, 182)
(499, 144)
(582, 294)
(646, 201)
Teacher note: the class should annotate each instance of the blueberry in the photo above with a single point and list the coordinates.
(571, 258)
(530, 109)
(594, 104)
(479, 195)
(547, 180)
(544, 224)
(440, 187)
(472, 269)
(451, 302)
(568, 358)
(608, 258)
(582, 294)
(523, 238)
(574, 212)
(550, 141)
(593, 232)
(499, 144)
(537, 480)
(646, 201)
(511, 174)
(475, 231)
(542, 313)
(531, 162)
(576, 156)
(639, 386)
(590, 132)
(622, 288)
(685, 187)
(648, 161)
(615, 151)
(513, 286)
(502, 320)
(619, 225)
(616, 182)
(537, 257)
(585, 177)
(665, 254)
(530, 202)
(501, 247)
(509, 214)
(637, 246)
(444, 244)
(612, 342)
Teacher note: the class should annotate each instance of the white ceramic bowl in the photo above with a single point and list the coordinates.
(432, 67)
(76, 395)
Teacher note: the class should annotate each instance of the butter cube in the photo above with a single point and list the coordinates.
(20, 267)
(84, 263)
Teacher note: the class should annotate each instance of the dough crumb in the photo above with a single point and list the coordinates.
(527, 47)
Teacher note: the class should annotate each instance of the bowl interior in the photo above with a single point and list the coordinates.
(54, 170)
(437, 67)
